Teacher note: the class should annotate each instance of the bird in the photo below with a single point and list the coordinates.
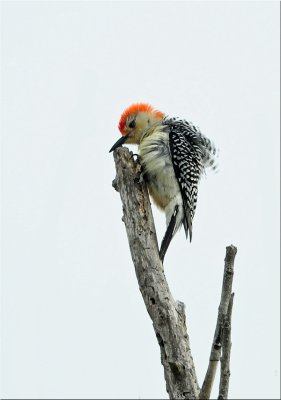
(174, 155)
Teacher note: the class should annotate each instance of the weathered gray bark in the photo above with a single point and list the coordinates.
(226, 348)
(222, 332)
(168, 316)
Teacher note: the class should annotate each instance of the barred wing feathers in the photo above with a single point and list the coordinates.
(191, 153)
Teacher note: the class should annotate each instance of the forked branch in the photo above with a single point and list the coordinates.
(222, 332)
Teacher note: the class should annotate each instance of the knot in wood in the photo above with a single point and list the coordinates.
(115, 184)
(177, 369)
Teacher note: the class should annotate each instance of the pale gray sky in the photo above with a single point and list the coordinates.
(73, 321)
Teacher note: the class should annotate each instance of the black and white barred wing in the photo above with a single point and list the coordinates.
(208, 150)
(187, 162)
(191, 153)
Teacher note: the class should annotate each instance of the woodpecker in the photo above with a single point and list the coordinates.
(174, 155)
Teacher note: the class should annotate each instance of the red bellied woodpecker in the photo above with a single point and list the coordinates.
(174, 154)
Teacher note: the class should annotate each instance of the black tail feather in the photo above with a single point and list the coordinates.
(169, 234)
(187, 223)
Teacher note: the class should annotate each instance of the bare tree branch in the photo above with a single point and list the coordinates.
(225, 308)
(226, 349)
(168, 316)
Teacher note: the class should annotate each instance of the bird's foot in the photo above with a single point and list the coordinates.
(137, 157)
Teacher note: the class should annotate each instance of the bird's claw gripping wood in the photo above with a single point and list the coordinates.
(173, 154)
(138, 160)
(137, 157)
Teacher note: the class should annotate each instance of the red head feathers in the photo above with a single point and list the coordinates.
(134, 109)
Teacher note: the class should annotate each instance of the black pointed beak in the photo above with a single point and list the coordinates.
(119, 142)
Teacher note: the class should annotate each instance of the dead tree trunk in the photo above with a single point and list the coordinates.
(167, 315)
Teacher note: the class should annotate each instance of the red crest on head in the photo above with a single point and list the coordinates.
(134, 109)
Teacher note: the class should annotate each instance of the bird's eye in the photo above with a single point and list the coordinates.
(132, 124)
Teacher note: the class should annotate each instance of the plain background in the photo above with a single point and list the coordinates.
(73, 321)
